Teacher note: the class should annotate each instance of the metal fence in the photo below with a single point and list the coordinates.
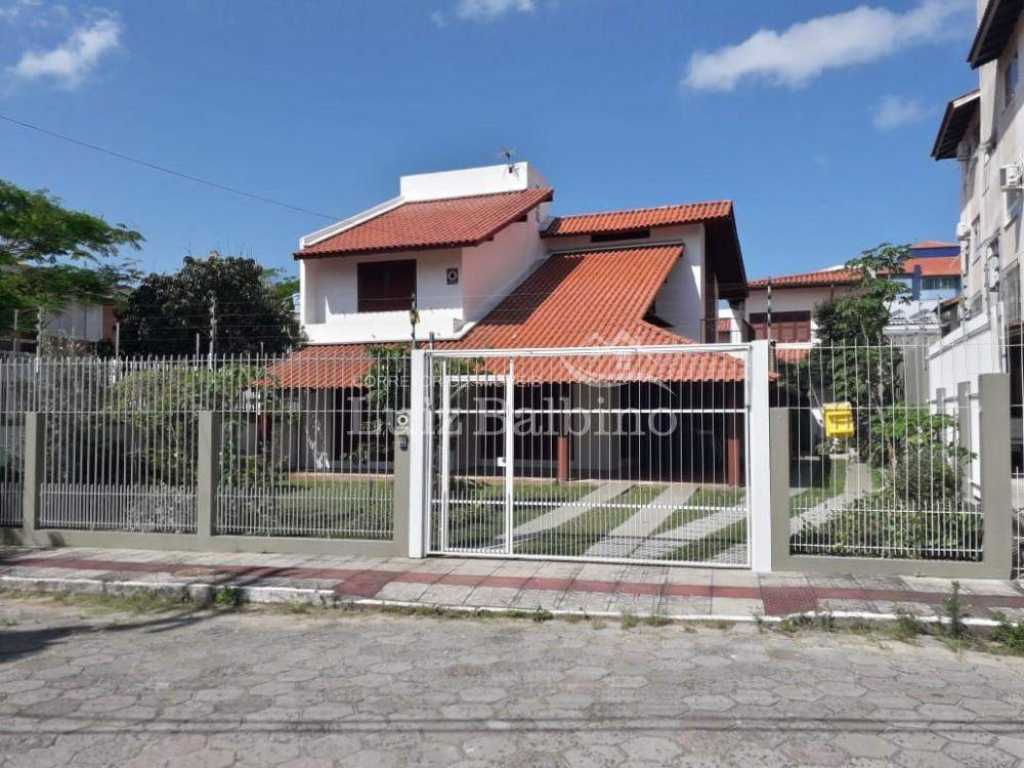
(120, 444)
(881, 461)
(306, 445)
(302, 446)
(17, 375)
(599, 454)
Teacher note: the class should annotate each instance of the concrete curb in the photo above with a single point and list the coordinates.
(205, 594)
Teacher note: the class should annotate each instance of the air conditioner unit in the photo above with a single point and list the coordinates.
(1009, 177)
(963, 230)
(964, 151)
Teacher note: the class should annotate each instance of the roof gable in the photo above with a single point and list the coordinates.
(448, 223)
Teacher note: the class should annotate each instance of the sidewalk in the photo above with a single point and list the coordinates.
(523, 585)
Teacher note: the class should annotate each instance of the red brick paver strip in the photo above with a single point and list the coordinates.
(782, 601)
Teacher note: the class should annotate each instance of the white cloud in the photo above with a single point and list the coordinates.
(71, 61)
(894, 111)
(482, 10)
(486, 10)
(802, 52)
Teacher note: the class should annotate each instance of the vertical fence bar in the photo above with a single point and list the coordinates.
(994, 455)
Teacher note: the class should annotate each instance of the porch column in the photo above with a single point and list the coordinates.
(733, 451)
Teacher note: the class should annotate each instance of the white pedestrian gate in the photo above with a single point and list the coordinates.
(607, 454)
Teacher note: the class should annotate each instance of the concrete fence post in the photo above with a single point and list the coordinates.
(964, 435)
(32, 473)
(759, 439)
(994, 464)
(415, 510)
(778, 461)
(207, 472)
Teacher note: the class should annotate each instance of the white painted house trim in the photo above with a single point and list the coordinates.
(340, 226)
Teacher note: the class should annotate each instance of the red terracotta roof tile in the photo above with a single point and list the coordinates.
(935, 266)
(925, 244)
(638, 218)
(824, 277)
(585, 299)
(931, 266)
(455, 222)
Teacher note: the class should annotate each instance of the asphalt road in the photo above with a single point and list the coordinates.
(80, 687)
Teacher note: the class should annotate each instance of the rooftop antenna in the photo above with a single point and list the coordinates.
(508, 153)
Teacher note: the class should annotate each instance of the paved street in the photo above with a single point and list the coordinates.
(88, 688)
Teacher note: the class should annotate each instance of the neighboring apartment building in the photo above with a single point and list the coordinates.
(982, 130)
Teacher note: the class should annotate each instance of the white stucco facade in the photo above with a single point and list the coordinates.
(989, 225)
(486, 273)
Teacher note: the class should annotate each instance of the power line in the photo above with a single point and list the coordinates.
(169, 171)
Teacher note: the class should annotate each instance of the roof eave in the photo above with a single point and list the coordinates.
(994, 31)
(962, 109)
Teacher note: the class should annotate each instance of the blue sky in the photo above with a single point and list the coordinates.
(817, 118)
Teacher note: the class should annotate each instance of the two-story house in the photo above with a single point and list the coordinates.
(475, 259)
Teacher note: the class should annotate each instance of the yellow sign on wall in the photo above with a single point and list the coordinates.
(839, 420)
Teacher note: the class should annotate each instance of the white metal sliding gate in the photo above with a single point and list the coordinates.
(609, 454)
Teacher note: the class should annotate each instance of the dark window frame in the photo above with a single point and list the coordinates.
(379, 288)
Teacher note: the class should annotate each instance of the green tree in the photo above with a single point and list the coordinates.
(853, 360)
(50, 256)
(231, 298)
(861, 316)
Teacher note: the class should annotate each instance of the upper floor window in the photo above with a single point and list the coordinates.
(386, 286)
(611, 237)
(1010, 76)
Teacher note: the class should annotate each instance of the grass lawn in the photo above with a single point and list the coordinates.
(706, 549)
(704, 502)
(574, 537)
(478, 520)
(331, 507)
(812, 497)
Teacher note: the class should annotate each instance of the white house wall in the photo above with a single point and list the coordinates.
(493, 268)
(792, 300)
(330, 299)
